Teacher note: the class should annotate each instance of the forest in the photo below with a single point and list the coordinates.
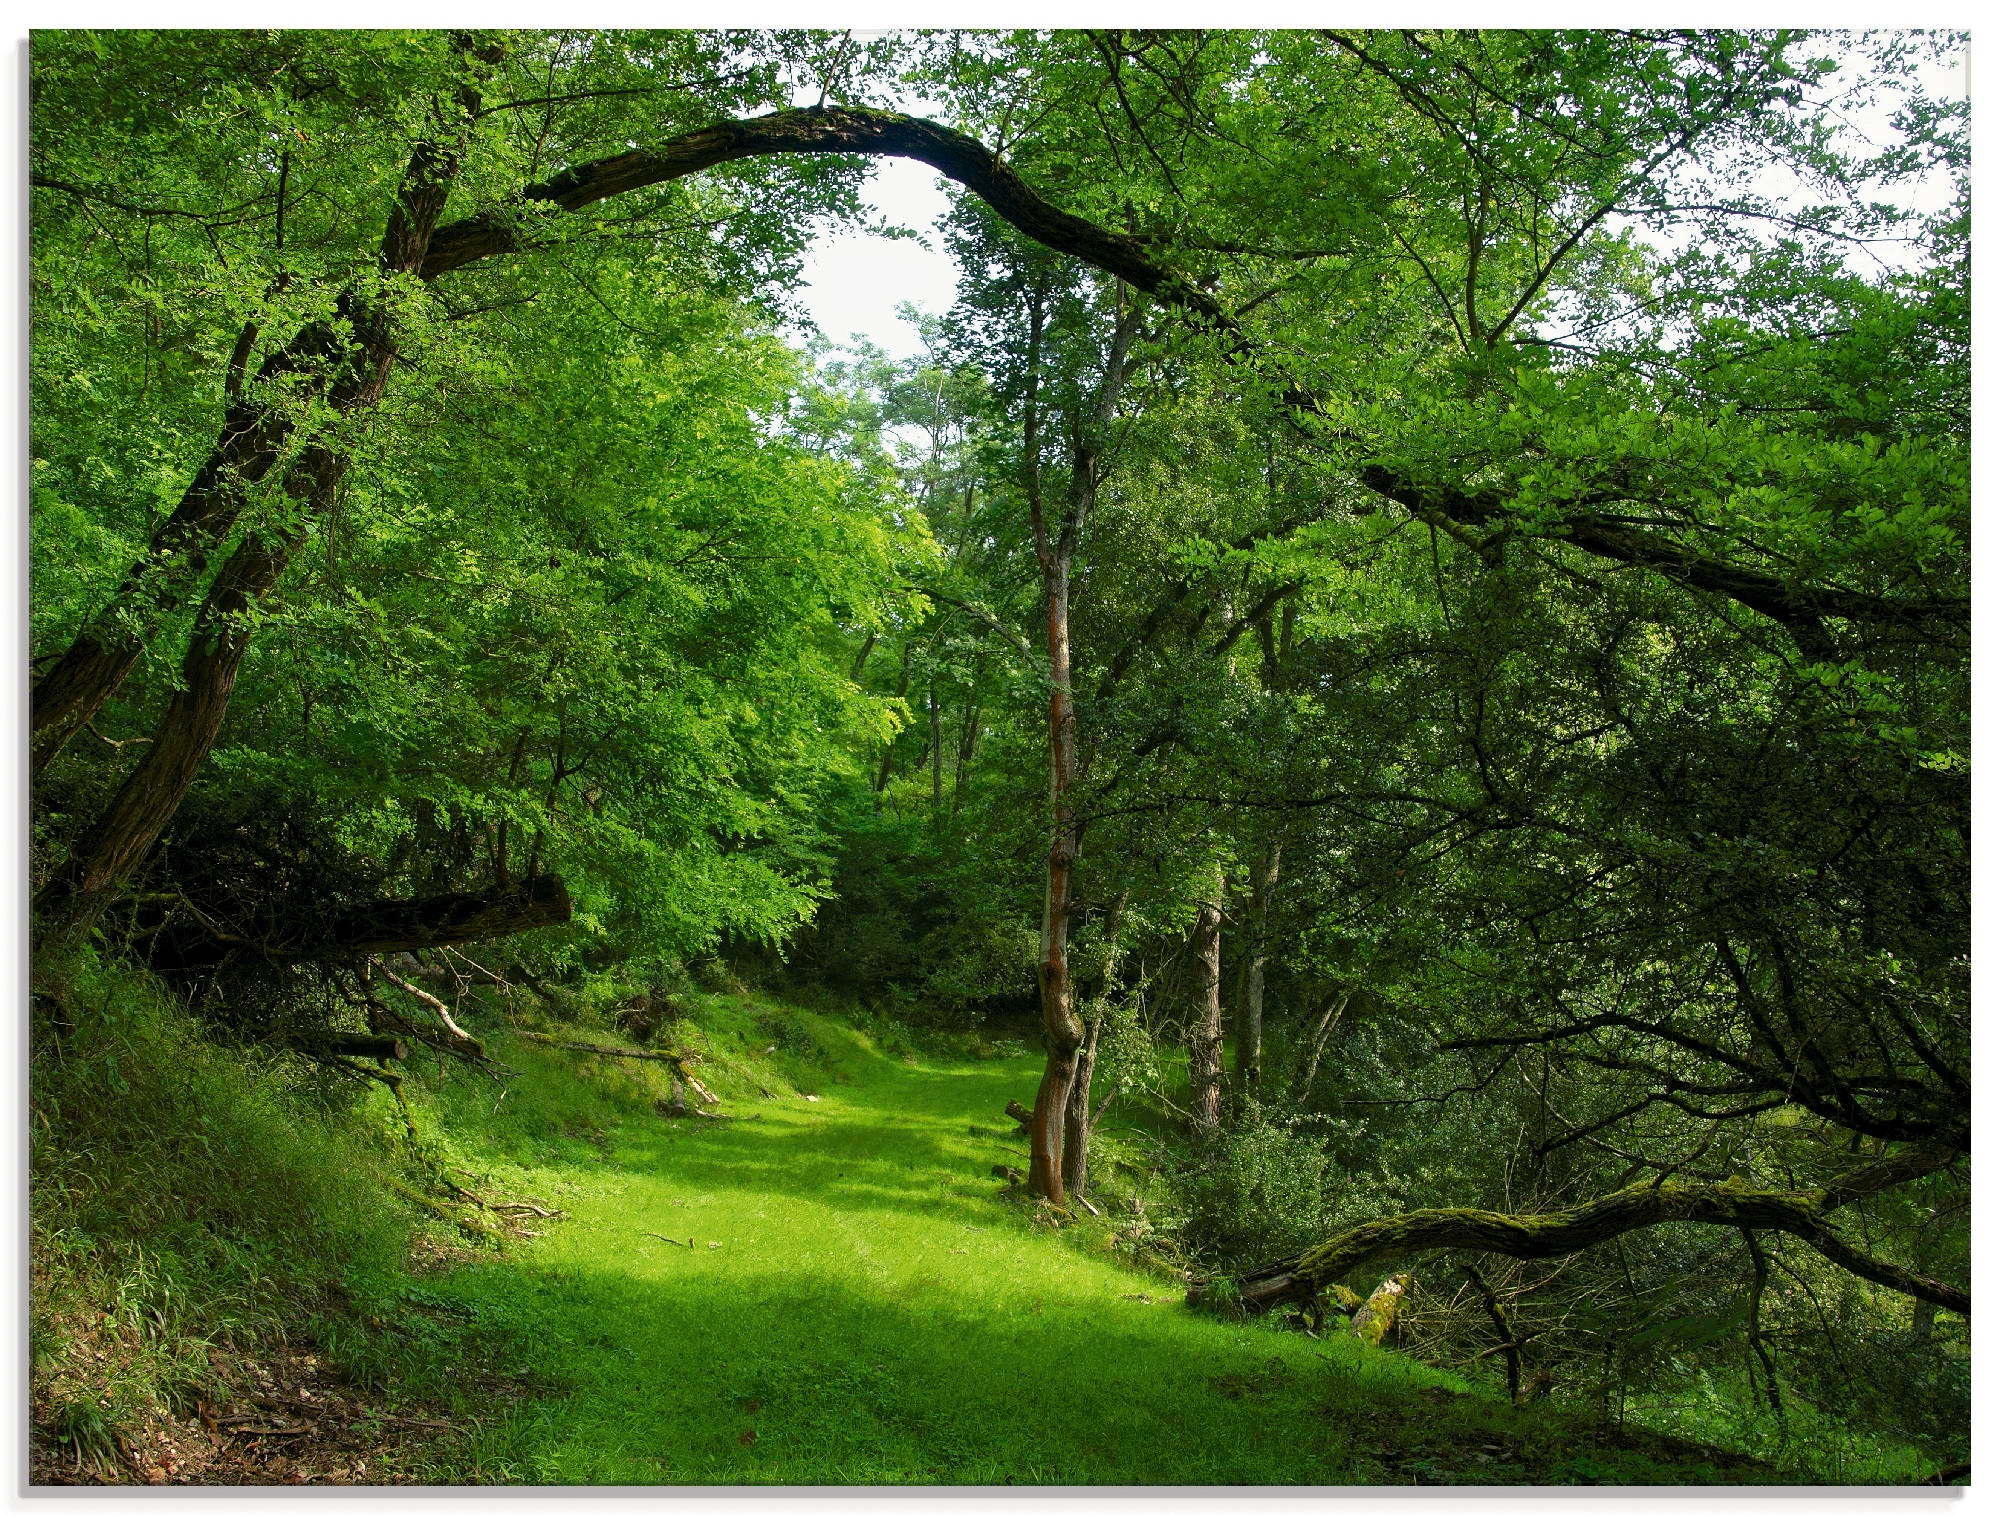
(1329, 844)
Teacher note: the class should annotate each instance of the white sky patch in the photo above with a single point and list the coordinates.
(854, 282)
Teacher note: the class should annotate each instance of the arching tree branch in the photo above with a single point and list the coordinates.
(1556, 1233)
(825, 129)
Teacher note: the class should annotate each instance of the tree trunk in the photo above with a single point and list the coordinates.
(1205, 1042)
(1054, 552)
(1375, 1321)
(1077, 1115)
(937, 751)
(71, 902)
(351, 374)
(1329, 1021)
(1080, 1119)
(1062, 1030)
(1250, 1002)
(94, 668)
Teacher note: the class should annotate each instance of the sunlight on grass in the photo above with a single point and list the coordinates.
(834, 1290)
(857, 1305)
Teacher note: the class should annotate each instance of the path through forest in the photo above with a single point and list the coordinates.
(843, 1297)
(833, 1290)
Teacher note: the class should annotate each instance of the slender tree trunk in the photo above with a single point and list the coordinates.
(1329, 1021)
(888, 767)
(968, 740)
(1080, 1119)
(1250, 1001)
(1063, 1031)
(1077, 1115)
(1205, 1043)
(937, 751)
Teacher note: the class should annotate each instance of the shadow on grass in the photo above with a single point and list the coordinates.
(844, 1300)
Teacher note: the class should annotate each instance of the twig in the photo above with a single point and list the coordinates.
(436, 1007)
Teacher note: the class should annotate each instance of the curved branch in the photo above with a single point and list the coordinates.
(985, 617)
(1556, 1233)
(827, 129)
(1799, 608)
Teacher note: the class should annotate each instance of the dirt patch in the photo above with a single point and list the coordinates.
(284, 1419)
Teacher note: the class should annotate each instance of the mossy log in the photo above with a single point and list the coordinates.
(1556, 1233)
(1375, 1320)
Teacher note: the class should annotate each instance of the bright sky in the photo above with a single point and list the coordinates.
(856, 281)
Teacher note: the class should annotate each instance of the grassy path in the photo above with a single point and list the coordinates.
(858, 1306)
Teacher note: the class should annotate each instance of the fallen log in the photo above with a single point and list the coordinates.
(357, 1044)
(1557, 1233)
(1375, 1321)
(462, 1041)
(1021, 1113)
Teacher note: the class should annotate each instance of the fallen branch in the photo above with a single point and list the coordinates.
(1557, 1233)
(466, 1042)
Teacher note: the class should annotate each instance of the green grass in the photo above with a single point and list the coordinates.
(863, 1302)
(860, 1305)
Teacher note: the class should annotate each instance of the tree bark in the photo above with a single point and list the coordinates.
(1250, 1002)
(70, 903)
(1557, 1233)
(1080, 1119)
(349, 373)
(1375, 1321)
(1062, 1029)
(1205, 1040)
(1076, 1115)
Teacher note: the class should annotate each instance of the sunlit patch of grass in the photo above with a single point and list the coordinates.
(838, 1291)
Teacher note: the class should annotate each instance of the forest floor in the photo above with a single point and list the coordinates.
(832, 1287)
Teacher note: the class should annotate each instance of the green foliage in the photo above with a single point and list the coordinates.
(1560, 560)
